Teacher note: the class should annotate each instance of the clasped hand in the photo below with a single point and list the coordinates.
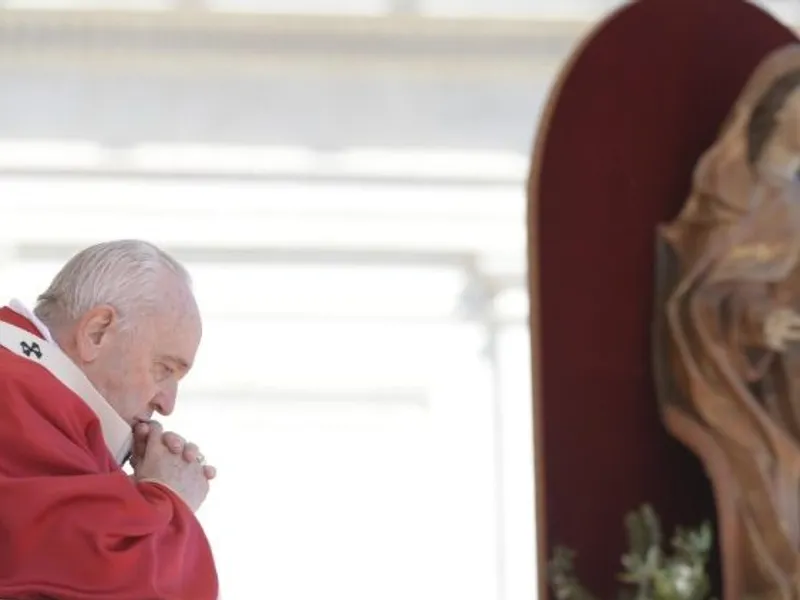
(167, 458)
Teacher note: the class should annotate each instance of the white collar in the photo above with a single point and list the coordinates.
(22, 310)
(116, 431)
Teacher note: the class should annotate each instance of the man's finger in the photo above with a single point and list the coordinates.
(154, 439)
(141, 432)
(174, 442)
(191, 452)
(210, 472)
(139, 447)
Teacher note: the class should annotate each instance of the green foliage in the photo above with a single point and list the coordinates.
(650, 572)
(563, 580)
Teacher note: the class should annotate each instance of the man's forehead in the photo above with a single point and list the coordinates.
(177, 344)
(179, 319)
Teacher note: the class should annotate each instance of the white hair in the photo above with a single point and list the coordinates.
(125, 274)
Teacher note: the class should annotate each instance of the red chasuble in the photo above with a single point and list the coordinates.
(73, 525)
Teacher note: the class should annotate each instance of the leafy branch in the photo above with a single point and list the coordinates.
(650, 572)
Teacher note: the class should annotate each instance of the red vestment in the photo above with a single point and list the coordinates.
(73, 525)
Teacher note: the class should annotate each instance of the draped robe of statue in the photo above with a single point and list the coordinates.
(73, 525)
(732, 258)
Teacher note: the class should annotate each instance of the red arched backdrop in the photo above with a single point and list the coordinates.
(634, 109)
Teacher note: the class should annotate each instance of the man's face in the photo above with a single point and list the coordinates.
(137, 371)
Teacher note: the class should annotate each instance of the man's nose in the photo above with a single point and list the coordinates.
(164, 402)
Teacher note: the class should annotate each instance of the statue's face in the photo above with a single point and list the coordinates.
(780, 158)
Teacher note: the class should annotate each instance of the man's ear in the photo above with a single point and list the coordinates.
(94, 329)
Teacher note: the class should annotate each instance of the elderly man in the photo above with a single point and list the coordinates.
(80, 378)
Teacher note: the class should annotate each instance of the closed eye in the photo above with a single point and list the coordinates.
(164, 371)
(172, 366)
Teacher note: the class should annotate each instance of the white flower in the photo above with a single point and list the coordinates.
(683, 579)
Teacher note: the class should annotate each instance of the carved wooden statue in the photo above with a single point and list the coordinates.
(728, 340)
